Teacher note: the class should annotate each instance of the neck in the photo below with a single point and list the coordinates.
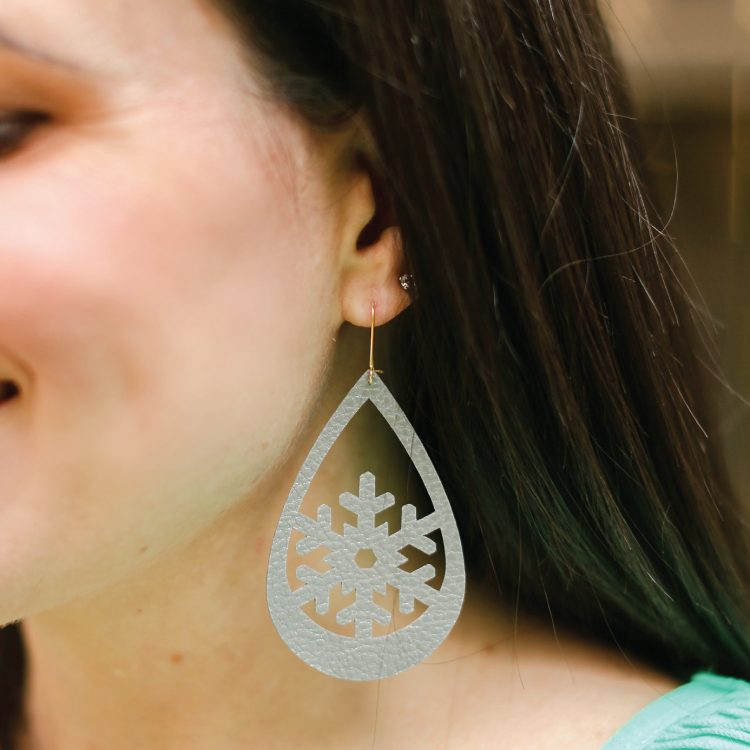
(184, 654)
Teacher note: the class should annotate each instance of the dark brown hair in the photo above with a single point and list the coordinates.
(553, 361)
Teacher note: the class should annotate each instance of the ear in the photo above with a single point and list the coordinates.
(371, 252)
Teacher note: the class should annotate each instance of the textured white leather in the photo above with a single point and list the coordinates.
(365, 656)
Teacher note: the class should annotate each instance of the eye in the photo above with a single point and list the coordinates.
(16, 127)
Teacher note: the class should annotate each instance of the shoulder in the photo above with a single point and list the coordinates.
(523, 684)
(575, 693)
(708, 706)
(533, 688)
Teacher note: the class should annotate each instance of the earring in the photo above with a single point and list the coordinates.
(406, 280)
(365, 655)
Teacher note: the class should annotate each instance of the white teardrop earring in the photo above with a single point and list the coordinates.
(365, 656)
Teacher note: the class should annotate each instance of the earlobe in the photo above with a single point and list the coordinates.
(373, 258)
(374, 278)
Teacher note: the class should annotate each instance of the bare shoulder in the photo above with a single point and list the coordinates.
(582, 695)
(537, 688)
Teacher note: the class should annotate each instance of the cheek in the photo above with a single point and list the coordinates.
(174, 329)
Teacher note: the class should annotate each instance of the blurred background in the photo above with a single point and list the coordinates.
(688, 67)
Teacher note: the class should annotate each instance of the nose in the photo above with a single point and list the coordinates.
(8, 391)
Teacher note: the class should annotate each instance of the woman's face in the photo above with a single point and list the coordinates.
(166, 287)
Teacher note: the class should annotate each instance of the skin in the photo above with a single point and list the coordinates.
(184, 303)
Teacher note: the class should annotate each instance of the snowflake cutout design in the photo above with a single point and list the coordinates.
(365, 541)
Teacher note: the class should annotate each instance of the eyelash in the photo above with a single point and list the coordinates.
(20, 125)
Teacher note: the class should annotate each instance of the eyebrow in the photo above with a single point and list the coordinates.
(9, 43)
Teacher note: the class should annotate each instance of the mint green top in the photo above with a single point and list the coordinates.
(710, 712)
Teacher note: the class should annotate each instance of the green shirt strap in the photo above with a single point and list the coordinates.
(710, 712)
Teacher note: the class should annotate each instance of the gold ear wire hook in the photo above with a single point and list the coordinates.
(372, 342)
